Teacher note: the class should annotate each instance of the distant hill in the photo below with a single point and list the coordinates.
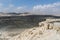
(23, 20)
(13, 14)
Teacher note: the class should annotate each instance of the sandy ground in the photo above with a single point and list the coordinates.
(37, 33)
(7, 34)
(43, 32)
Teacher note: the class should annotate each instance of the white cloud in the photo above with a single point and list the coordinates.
(1, 7)
(47, 9)
(37, 9)
(20, 9)
(8, 9)
(12, 8)
(11, 5)
(1, 4)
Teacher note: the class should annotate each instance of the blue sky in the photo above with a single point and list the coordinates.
(29, 5)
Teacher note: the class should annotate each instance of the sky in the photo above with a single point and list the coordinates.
(33, 6)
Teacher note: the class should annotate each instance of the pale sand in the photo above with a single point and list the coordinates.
(43, 32)
(39, 33)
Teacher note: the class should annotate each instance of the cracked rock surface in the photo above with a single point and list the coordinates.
(45, 31)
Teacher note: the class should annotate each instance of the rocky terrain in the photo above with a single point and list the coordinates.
(47, 30)
(12, 27)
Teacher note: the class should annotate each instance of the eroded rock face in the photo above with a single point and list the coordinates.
(46, 31)
(40, 34)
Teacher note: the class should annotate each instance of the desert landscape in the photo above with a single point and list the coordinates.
(29, 19)
(29, 27)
